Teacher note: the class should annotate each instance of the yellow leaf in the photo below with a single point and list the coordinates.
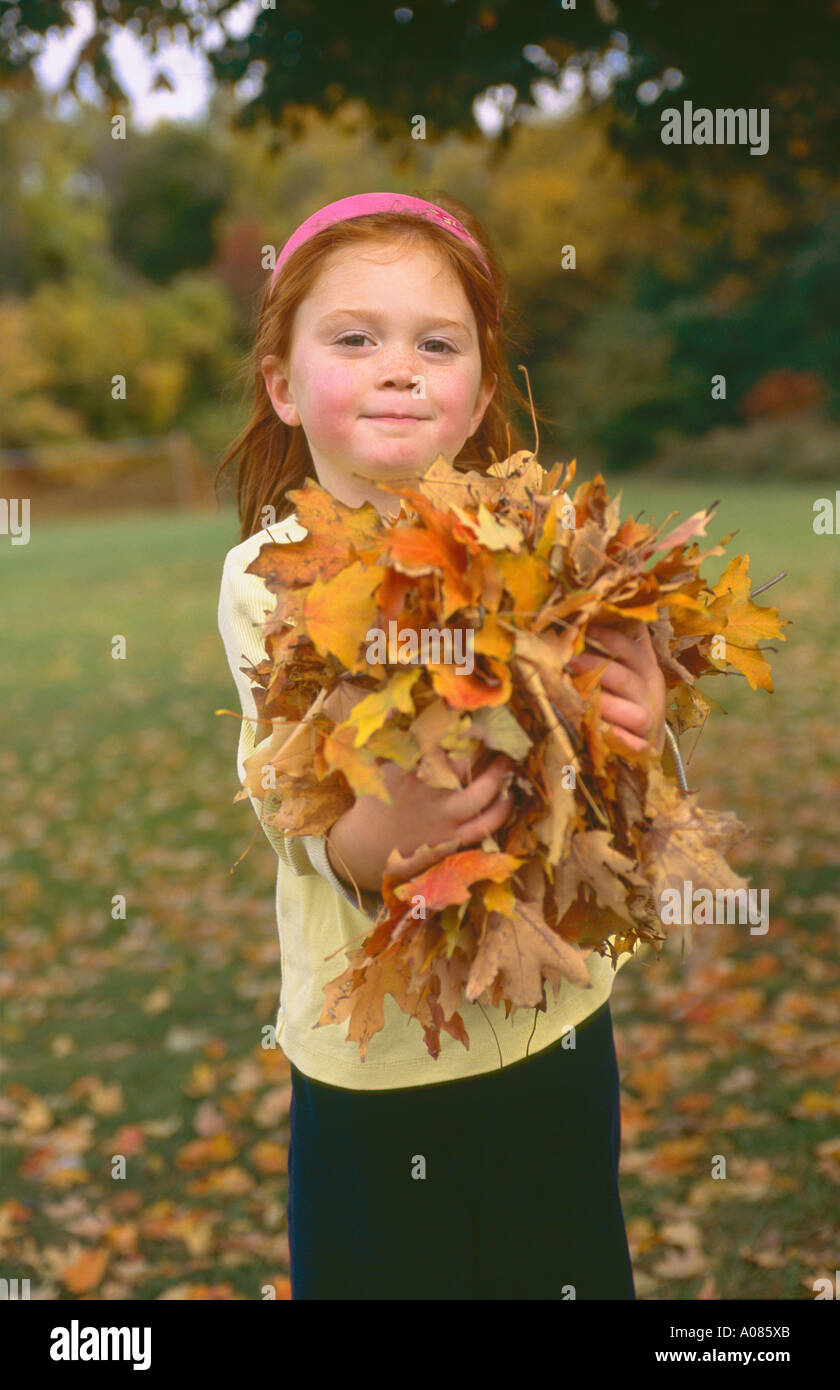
(527, 580)
(495, 534)
(85, 1271)
(492, 640)
(338, 613)
(370, 714)
(358, 765)
(743, 624)
(498, 897)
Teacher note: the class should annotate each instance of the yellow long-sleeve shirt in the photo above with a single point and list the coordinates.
(317, 916)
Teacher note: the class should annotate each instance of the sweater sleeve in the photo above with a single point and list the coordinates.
(244, 603)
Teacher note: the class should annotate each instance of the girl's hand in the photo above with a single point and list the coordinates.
(361, 840)
(636, 706)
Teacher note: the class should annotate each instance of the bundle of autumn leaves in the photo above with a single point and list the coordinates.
(596, 832)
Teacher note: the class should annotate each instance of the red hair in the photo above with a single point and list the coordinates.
(274, 457)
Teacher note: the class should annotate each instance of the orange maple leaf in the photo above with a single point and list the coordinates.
(451, 879)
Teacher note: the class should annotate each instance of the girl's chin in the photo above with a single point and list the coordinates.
(387, 467)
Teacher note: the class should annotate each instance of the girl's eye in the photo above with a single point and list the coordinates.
(344, 337)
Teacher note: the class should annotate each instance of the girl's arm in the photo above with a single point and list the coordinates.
(243, 604)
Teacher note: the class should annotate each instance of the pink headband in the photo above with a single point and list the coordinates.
(360, 204)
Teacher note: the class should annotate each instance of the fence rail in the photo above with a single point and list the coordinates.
(162, 470)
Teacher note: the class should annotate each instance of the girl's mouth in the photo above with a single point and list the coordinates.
(395, 419)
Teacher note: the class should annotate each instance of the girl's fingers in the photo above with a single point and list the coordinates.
(632, 687)
(627, 716)
(636, 745)
(488, 821)
(465, 804)
(613, 675)
(634, 649)
(419, 863)
(465, 764)
(461, 764)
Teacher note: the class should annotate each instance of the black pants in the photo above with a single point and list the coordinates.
(520, 1197)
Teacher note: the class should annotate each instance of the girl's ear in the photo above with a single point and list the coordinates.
(277, 386)
(485, 396)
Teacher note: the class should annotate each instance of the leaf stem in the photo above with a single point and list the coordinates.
(760, 590)
(556, 730)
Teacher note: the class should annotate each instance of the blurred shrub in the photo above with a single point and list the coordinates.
(806, 445)
(783, 392)
(175, 348)
(165, 187)
(618, 388)
(27, 384)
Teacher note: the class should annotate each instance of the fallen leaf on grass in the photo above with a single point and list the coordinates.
(202, 1293)
(85, 1270)
(269, 1157)
(226, 1182)
(815, 1105)
(217, 1148)
(681, 1264)
(829, 1158)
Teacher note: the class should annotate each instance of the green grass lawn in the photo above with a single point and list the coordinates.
(141, 1037)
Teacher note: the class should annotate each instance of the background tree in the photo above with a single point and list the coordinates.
(145, 256)
(165, 191)
(433, 58)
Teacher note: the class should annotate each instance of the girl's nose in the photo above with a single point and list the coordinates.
(398, 373)
(397, 362)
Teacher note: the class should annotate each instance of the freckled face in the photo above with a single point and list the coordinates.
(385, 331)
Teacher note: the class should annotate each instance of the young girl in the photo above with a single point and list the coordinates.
(489, 1172)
